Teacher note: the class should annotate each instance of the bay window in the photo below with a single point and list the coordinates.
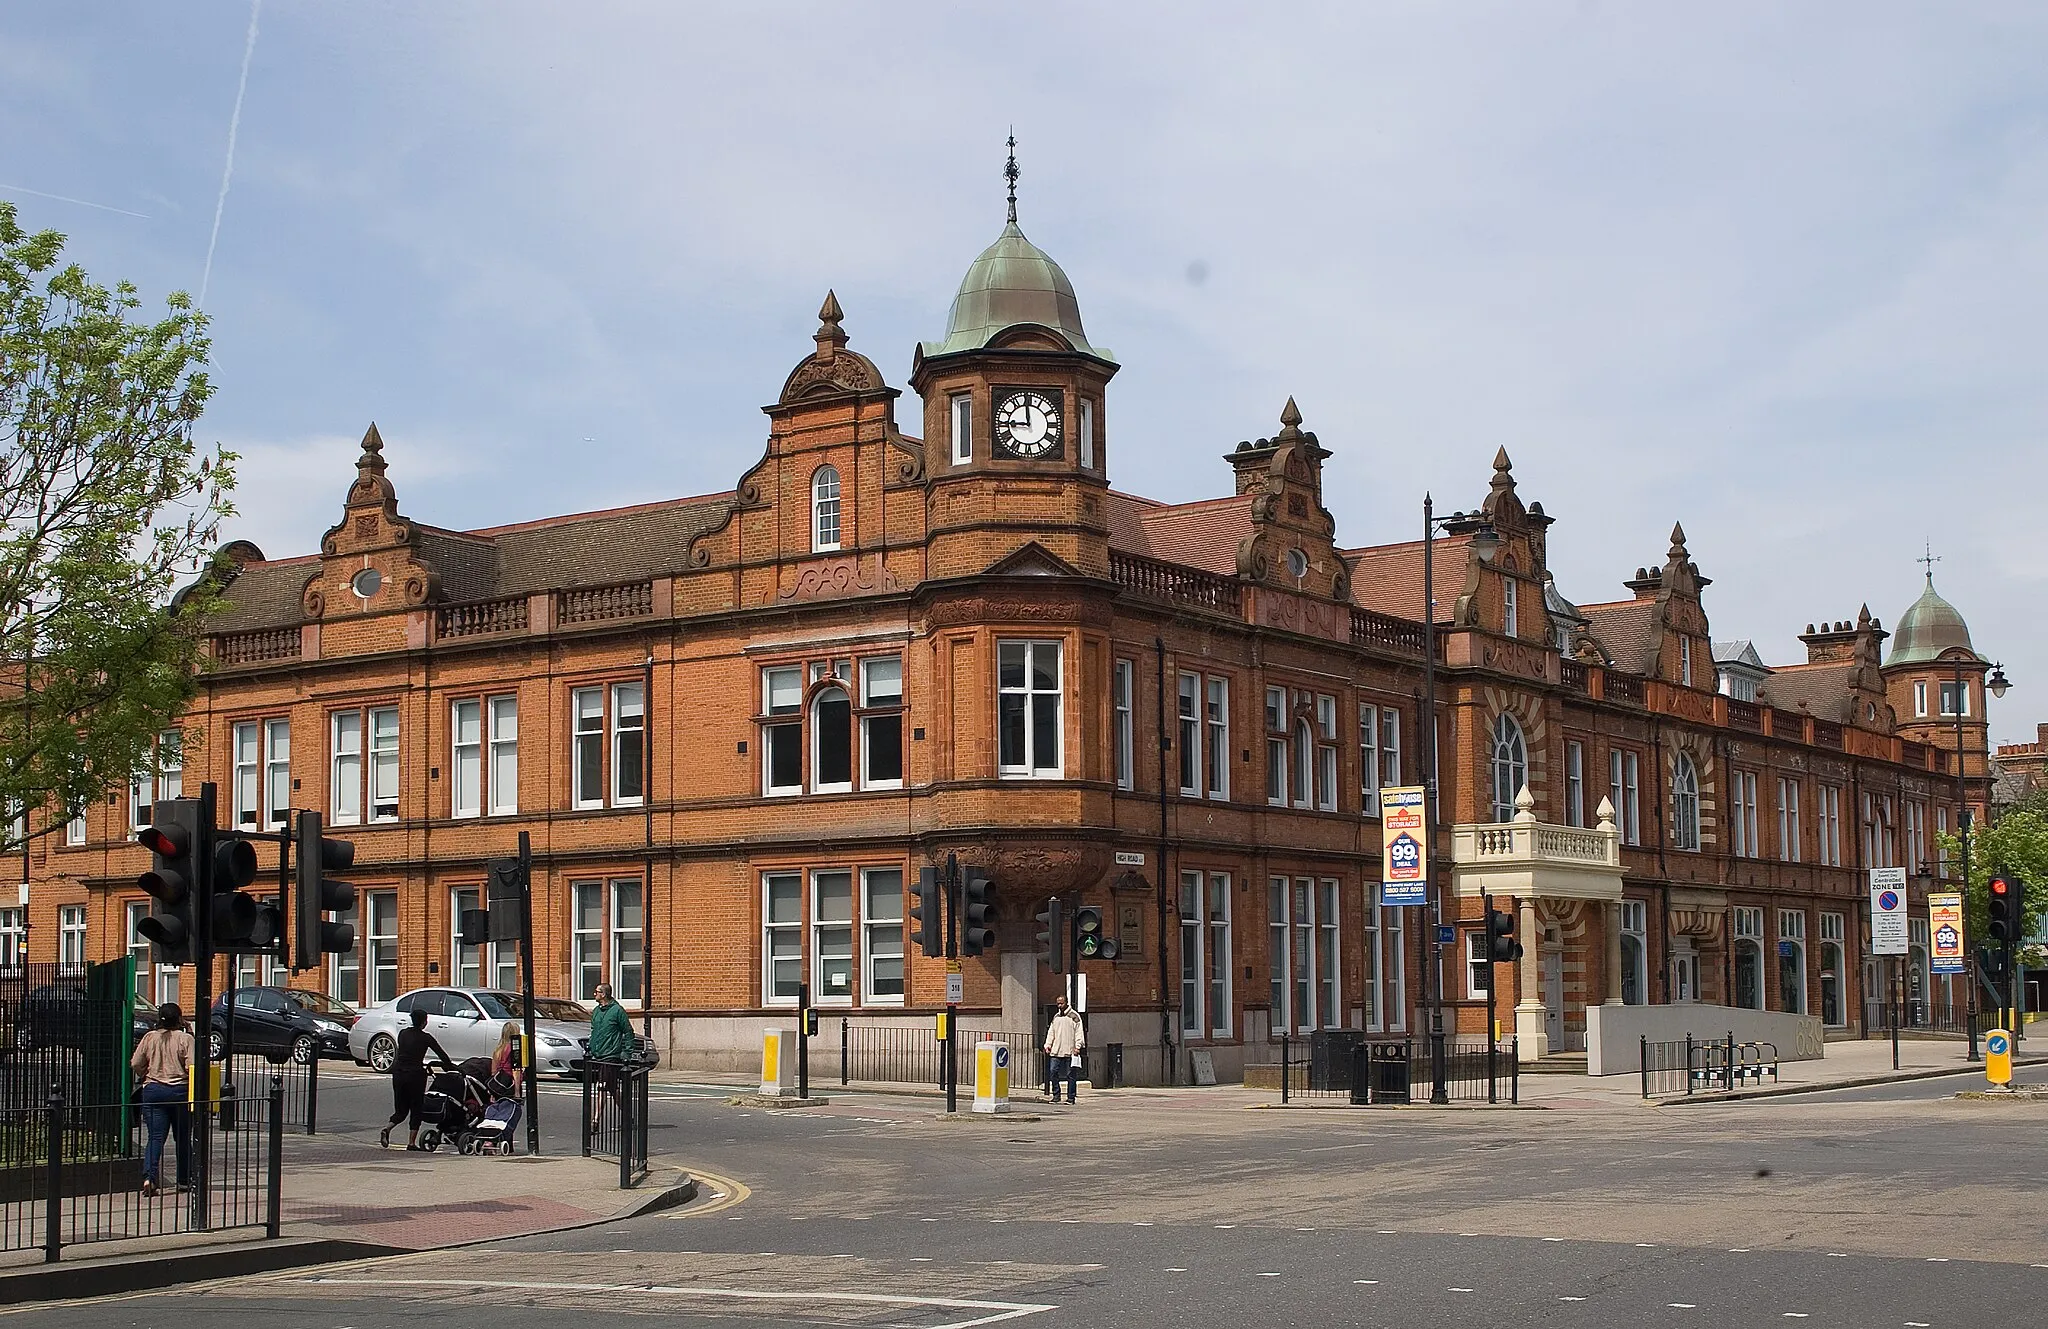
(1028, 724)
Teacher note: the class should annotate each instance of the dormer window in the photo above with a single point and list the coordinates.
(824, 509)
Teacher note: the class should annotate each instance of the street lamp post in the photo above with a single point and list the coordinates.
(1484, 541)
(1996, 685)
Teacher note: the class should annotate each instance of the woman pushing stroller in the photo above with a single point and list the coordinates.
(409, 1079)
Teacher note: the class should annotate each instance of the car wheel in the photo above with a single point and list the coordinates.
(383, 1052)
(217, 1044)
(304, 1049)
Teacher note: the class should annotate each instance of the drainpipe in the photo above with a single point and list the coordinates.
(1166, 1052)
(1663, 868)
(647, 858)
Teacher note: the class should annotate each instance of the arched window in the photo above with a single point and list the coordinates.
(831, 741)
(1510, 765)
(825, 509)
(1685, 803)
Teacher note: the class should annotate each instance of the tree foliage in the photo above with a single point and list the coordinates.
(106, 503)
(2014, 846)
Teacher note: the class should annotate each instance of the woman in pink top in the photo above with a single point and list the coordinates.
(163, 1069)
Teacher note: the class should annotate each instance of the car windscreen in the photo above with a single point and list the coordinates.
(512, 1006)
(320, 1003)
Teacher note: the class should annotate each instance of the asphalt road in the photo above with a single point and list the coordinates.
(1182, 1209)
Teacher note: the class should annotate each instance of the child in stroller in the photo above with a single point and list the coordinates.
(470, 1108)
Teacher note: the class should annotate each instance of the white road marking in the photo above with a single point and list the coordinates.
(1837, 1255)
(1272, 1275)
(1304, 1229)
(1176, 1269)
(1681, 1305)
(1070, 1220)
(1141, 1224)
(1738, 1250)
(1937, 1259)
(920, 1259)
(1571, 1298)
(1553, 1238)
(1646, 1243)
(1222, 1226)
(1917, 1324)
(1795, 1315)
(999, 1310)
(1458, 1289)
(1365, 1282)
(1386, 1232)
(927, 1220)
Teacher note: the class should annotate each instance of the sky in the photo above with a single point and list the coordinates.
(1779, 272)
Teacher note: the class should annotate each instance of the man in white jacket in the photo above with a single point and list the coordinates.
(1064, 1041)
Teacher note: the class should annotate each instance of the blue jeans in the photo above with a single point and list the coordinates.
(1068, 1069)
(164, 1110)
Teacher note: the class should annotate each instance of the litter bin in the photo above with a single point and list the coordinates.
(1361, 1073)
(1390, 1072)
(1112, 1066)
(1329, 1059)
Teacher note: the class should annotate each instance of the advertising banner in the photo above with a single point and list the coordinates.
(1404, 853)
(1945, 932)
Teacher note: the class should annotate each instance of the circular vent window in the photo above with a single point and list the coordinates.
(366, 582)
(1297, 564)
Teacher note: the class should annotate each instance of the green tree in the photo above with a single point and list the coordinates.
(2015, 847)
(106, 503)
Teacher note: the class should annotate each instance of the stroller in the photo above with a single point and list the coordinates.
(469, 1108)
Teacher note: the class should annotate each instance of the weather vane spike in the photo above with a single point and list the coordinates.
(1930, 558)
(1010, 174)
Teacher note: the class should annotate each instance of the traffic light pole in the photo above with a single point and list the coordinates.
(949, 886)
(1492, 1031)
(1439, 1089)
(202, 1002)
(532, 1076)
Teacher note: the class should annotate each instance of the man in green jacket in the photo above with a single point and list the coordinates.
(612, 1045)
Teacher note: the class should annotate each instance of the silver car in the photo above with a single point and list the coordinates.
(466, 1021)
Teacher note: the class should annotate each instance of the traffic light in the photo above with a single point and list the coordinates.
(1091, 941)
(978, 933)
(1501, 946)
(473, 927)
(924, 911)
(172, 881)
(235, 914)
(314, 896)
(2005, 929)
(506, 902)
(1991, 963)
(1052, 936)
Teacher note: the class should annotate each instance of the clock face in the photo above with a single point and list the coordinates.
(1028, 423)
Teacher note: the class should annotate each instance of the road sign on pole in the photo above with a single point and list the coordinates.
(1889, 913)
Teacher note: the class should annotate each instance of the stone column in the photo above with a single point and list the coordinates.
(1532, 1034)
(1614, 953)
(1020, 992)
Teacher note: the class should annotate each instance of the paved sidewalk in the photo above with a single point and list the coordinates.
(346, 1198)
(1848, 1063)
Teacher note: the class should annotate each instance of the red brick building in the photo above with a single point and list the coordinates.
(733, 725)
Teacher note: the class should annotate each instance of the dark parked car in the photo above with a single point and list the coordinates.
(284, 1021)
(53, 1016)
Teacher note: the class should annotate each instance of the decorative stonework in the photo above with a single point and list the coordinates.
(835, 577)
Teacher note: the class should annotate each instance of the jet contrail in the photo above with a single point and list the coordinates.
(66, 198)
(227, 173)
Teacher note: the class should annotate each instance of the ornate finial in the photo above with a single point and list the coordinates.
(1863, 617)
(1677, 539)
(1290, 421)
(373, 451)
(829, 334)
(1010, 174)
(1930, 558)
(1501, 462)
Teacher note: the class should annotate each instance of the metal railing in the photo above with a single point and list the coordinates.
(1916, 1016)
(615, 1117)
(72, 1173)
(907, 1054)
(1328, 1066)
(248, 1071)
(1690, 1065)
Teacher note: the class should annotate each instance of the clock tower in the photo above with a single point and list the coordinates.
(1014, 420)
